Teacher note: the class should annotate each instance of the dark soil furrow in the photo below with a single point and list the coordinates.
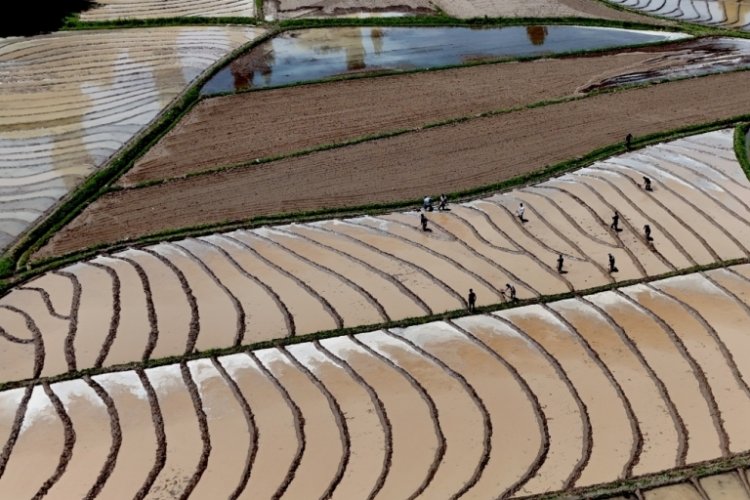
(114, 322)
(601, 222)
(442, 445)
(239, 335)
(588, 443)
(470, 226)
(450, 261)
(385, 422)
(153, 334)
(403, 289)
(486, 420)
(161, 438)
(367, 295)
(200, 415)
(698, 488)
(635, 428)
(681, 151)
(712, 198)
(47, 301)
(726, 353)
(194, 312)
(323, 301)
(69, 443)
(490, 261)
(539, 191)
(338, 415)
(680, 427)
(533, 399)
(299, 426)
(523, 251)
(652, 221)
(398, 259)
(744, 481)
(615, 234)
(688, 227)
(252, 428)
(116, 431)
(70, 350)
(288, 318)
(12, 338)
(15, 430)
(37, 338)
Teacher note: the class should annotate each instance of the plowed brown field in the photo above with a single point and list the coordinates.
(244, 127)
(449, 158)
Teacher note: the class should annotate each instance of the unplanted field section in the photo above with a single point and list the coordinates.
(247, 286)
(70, 100)
(538, 8)
(241, 128)
(109, 10)
(729, 485)
(295, 9)
(540, 398)
(728, 13)
(444, 159)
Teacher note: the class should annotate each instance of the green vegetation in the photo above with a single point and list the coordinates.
(742, 147)
(75, 23)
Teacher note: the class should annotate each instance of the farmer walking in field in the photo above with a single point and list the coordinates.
(427, 203)
(647, 233)
(423, 221)
(443, 202)
(615, 222)
(510, 292)
(647, 183)
(472, 300)
(612, 266)
(520, 211)
(560, 261)
(628, 141)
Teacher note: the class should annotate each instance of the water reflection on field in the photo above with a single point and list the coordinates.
(729, 13)
(314, 54)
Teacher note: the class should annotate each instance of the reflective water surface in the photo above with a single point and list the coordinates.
(314, 54)
(729, 13)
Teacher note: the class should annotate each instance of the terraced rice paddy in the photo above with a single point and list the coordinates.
(728, 13)
(314, 54)
(294, 9)
(734, 485)
(107, 10)
(534, 399)
(248, 286)
(534, 8)
(71, 100)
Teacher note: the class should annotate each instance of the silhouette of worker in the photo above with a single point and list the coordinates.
(615, 222)
(647, 232)
(427, 203)
(612, 266)
(423, 221)
(647, 183)
(520, 211)
(472, 300)
(443, 202)
(628, 141)
(510, 292)
(560, 261)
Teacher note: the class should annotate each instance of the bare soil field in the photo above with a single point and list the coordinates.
(107, 10)
(444, 159)
(240, 128)
(537, 8)
(531, 400)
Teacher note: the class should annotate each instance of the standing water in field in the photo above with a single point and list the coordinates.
(315, 54)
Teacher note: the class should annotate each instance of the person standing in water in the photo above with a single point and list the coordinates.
(612, 267)
(520, 211)
(423, 221)
(472, 300)
(615, 222)
(560, 261)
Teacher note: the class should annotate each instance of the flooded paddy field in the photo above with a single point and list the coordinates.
(723, 13)
(539, 398)
(247, 286)
(71, 100)
(408, 166)
(295, 9)
(241, 128)
(315, 54)
(109, 10)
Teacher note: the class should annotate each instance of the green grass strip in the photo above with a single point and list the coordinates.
(742, 147)
(404, 323)
(74, 23)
